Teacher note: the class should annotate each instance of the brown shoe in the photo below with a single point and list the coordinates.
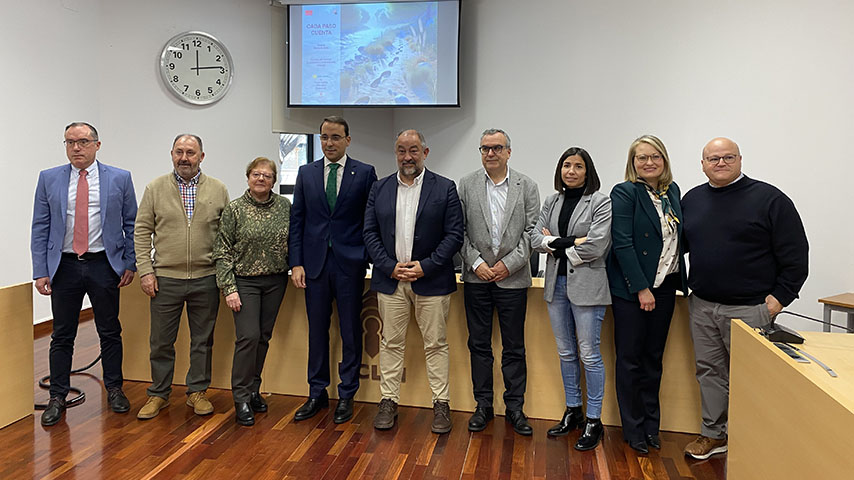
(152, 407)
(704, 447)
(386, 414)
(441, 417)
(200, 403)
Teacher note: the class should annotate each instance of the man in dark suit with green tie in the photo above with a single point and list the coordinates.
(329, 260)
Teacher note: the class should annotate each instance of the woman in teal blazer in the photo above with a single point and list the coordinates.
(645, 268)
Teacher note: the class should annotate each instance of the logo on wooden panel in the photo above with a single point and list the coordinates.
(372, 331)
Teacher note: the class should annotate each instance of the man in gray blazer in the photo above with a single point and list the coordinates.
(500, 207)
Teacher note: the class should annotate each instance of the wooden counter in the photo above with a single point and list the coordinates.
(285, 369)
(16, 352)
(790, 419)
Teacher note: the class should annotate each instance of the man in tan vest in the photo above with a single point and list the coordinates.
(176, 225)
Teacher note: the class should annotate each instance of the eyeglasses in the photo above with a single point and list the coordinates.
(83, 142)
(728, 159)
(644, 158)
(257, 175)
(334, 138)
(484, 149)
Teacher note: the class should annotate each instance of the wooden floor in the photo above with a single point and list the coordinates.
(92, 443)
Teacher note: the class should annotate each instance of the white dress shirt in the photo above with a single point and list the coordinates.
(96, 242)
(340, 173)
(404, 216)
(496, 196)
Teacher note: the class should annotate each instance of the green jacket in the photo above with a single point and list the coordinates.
(252, 239)
(637, 240)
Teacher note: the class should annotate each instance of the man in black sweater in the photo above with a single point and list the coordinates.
(748, 257)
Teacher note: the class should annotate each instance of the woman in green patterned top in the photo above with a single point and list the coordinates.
(251, 254)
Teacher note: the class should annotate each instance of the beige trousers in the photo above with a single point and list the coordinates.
(431, 315)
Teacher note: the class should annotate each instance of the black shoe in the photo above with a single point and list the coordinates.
(481, 417)
(344, 410)
(257, 403)
(572, 418)
(53, 413)
(243, 414)
(590, 437)
(311, 407)
(654, 441)
(639, 446)
(118, 401)
(519, 422)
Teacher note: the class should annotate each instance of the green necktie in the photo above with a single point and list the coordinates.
(332, 185)
(332, 188)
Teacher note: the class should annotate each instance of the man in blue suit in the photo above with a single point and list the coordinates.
(329, 260)
(413, 228)
(82, 243)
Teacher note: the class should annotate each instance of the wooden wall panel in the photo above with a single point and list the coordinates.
(285, 369)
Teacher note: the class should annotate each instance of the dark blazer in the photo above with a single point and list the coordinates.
(118, 214)
(438, 234)
(637, 240)
(313, 224)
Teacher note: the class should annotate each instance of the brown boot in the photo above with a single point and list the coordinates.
(441, 417)
(386, 414)
(152, 407)
(200, 403)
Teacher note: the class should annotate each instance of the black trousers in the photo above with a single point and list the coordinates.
(345, 287)
(75, 278)
(639, 341)
(260, 297)
(481, 300)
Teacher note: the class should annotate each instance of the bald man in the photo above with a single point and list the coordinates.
(748, 257)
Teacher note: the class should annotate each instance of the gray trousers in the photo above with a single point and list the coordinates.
(710, 330)
(202, 299)
(260, 298)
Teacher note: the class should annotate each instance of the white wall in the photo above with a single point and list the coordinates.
(50, 79)
(774, 76)
(97, 61)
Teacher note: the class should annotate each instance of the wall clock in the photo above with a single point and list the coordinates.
(196, 67)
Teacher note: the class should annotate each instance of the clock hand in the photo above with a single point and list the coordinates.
(204, 68)
(197, 63)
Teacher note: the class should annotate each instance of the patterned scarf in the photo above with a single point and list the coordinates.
(666, 206)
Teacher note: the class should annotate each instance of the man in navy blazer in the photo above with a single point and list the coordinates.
(83, 246)
(328, 259)
(413, 228)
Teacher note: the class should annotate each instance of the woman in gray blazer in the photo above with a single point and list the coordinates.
(574, 228)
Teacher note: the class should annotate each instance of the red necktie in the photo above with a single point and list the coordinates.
(80, 245)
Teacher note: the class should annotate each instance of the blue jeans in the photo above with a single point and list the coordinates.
(577, 330)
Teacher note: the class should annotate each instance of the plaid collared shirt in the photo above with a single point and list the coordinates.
(188, 193)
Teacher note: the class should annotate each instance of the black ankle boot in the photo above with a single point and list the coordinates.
(243, 414)
(572, 418)
(592, 434)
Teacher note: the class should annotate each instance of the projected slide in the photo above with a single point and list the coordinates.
(372, 54)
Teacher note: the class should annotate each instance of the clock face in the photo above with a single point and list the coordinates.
(196, 68)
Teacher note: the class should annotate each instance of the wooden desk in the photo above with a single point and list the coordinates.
(285, 368)
(16, 352)
(843, 302)
(788, 419)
